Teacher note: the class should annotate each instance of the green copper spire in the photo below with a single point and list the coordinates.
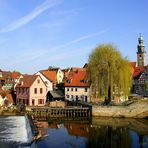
(141, 53)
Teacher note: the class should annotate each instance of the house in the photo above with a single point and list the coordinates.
(140, 81)
(6, 80)
(55, 75)
(47, 81)
(55, 95)
(31, 90)
(77, 87)
(6, 98)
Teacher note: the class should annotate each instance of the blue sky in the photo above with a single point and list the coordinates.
(35, 34)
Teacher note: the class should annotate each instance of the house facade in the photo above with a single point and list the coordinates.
(6, 80)
(31, 90)
(55, 75)
(140, 82)
(47, 81)
(77, 87)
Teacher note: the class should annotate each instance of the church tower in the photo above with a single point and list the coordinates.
(141, 53)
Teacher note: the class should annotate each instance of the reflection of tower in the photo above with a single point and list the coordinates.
(141, 53)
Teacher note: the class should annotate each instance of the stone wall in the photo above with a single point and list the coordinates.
(138, 109)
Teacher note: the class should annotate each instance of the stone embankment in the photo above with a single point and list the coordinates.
(138, 109)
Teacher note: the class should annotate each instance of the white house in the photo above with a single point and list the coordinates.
(77, 87)
(47, 81)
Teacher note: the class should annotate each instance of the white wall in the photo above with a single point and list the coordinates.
(80, 93)
(49, 84)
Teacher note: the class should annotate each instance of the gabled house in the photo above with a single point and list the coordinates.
(31, 90)
(47, 81)
(77, 87)
(55, 75)
(140, 81)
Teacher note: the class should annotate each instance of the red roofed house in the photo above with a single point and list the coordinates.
(77, 87)
(47, 81)
(54, 76)
(31, 90)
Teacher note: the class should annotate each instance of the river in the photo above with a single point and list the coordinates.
(94, 133)
(99, 132)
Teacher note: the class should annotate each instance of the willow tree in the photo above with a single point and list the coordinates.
(109, 72)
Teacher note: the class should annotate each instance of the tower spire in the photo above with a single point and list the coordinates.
(141, 53)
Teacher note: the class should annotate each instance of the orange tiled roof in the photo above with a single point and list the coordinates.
(77, 77)
(136, 71)
(27, 80)
(15, 75)
(50, 74)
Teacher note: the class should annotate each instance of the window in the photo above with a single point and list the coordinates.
(85, 89)
(38, 81)
(23, 90)
(67, 96)
(40, 101)
(75, 89)
(41, 90)
(33, 102)
(35, 90)
(85, 98)
(71, 89)
(67, 89)
(72, 96)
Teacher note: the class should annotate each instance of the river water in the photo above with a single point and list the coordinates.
(99, 132)
(94, 133)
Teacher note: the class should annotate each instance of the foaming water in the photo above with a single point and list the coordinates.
(13, 129)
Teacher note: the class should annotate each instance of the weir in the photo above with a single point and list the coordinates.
(15, 131)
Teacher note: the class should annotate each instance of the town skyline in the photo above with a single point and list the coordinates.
(37, 34)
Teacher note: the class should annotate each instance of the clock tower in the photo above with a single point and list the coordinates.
(141, 53)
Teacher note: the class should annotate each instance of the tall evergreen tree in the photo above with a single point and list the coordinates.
(109, 72)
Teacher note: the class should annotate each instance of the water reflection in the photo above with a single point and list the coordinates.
(100, 132)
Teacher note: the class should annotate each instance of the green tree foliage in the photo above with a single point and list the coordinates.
(109, 72)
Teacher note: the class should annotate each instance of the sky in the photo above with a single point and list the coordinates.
(36, 34)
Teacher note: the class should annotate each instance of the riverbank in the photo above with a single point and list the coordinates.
(138, 109)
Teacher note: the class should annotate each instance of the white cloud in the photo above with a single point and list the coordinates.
(26, 19)
(79, 40)
(64, 53)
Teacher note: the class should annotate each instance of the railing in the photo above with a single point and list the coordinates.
(72, 112)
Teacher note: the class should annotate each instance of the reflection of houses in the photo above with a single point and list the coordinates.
(77, 86)
(31, 90)
(78, 129)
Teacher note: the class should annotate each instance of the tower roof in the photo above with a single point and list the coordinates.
(140, 37)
